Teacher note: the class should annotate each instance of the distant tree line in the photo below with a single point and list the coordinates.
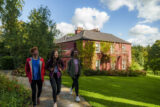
(17, 37)
(148, 58)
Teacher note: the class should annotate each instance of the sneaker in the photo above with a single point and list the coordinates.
(70, 91)
(77, 99)
(55, 105)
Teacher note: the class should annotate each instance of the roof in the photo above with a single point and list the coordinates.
(91, 35)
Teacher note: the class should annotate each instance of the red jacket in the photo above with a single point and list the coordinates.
(28, 68)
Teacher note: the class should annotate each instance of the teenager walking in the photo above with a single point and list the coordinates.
(74, 71)
(55, 66)
(35, 70)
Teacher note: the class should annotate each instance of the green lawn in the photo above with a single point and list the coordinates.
(110, 91)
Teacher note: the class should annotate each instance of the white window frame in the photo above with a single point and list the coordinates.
(124, 64)
(97, 47)
(113, 65)
(112, 49)
(98, 64)
(123, 48)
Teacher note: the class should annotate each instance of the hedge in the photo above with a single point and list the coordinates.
(6, 63)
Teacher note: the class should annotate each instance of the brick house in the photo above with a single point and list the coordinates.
(120, 49)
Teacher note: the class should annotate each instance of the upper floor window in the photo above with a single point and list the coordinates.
(97, 47)
(123, 48)
(112, 49)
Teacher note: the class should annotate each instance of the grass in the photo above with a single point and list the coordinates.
(111, 91)
(13, 94)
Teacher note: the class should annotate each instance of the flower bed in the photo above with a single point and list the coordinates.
(13, 94)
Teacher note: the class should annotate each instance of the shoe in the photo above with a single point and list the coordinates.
(77, 99)
(38, 101)
(55, 105)
(34, 105)
(70, 91)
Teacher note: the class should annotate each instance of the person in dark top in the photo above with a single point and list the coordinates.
(55, 66)
(35, 70)
(74, 70)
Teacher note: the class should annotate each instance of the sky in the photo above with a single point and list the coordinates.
(136, 21)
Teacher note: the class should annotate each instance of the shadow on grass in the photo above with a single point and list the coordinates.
(105, 103)
(119, 91)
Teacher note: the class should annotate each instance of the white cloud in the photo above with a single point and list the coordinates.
(147, 9)
(89, 18)
(140, 29)
(116, 4)
(65, 28)
(143, 35)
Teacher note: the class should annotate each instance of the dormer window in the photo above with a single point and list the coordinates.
(97, 47)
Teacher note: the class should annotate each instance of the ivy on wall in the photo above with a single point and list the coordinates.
(105, 48)
(86, 53)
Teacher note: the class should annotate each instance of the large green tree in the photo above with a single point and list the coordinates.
(41, 30)
(154, 57)
(138, 54)
(10, 11)
(17, 37)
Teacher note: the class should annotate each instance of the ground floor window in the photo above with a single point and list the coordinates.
(123, 64)
(98, 64)
(113, 65)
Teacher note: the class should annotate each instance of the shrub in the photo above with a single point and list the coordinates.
(137, 73)
(13, 94)
(6, 62)
(135, 66)
(19, 71)
(90, 72)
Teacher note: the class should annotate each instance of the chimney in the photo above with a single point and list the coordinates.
(78, 30)
(96, 30)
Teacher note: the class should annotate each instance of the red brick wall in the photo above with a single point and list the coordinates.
(67, 47)
(118, 53)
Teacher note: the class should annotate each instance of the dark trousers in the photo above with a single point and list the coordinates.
(34, 85)
(75, 84)
(56, 86)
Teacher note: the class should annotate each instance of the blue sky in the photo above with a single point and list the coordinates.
(126, 19)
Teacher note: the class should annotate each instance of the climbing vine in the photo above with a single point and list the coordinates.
(105, 47)
(86, 52)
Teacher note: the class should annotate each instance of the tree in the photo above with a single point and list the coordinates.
(138, 54)
(9, 12)
(154, 57)
(41, 30)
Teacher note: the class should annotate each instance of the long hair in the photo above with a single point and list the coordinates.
(52, 57)
(72, 52)
(54, 61)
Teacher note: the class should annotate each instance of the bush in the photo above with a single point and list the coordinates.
(91, 72)
(6, 63)
(13, 94)
(19, 71)
(137, 73)
(114, 73)
(135, 66)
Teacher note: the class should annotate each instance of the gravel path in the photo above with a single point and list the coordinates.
(65, 99)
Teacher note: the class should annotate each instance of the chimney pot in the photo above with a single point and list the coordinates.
(78, 30)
